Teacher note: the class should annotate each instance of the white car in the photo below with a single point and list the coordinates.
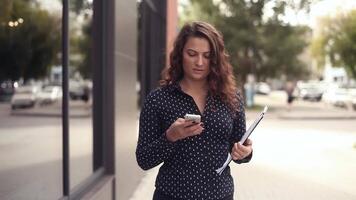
(80, 89)
(342, 97)
(263, 88)
(24, 96)
(50, 94)
(310, 91)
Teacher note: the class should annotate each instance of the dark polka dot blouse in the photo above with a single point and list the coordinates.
(188, 170)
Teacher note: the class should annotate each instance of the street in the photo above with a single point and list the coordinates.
(31, 152)
(295, 156)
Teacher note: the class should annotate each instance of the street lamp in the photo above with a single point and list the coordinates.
(16, 23)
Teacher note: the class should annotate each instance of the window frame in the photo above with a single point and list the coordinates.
(103, 98)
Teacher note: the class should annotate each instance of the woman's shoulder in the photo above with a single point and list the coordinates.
(159, 91)
(157, 94)
(239, 96)
(240, 101)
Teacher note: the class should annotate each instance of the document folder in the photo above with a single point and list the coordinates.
(243, 139)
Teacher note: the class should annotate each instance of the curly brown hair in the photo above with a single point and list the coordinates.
(221, 80)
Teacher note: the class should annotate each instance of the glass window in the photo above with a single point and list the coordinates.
(30, 100)
(80, 91)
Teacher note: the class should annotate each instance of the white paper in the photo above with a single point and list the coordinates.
(221, 169)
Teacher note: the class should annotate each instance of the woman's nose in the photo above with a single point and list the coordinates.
(200, 60)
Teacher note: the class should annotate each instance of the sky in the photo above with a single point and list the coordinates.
(52, 5)
(319, 9)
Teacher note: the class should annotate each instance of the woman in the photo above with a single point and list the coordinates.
(199, 81)
(289, 90)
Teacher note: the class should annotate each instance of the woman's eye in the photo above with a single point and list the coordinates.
(207, 56)
(191, 53)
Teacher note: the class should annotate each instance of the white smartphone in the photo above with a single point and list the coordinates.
(192, 117)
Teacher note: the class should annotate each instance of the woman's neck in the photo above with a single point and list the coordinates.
(194, 87)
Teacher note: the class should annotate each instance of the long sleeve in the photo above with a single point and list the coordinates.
(239, 128)
(153, 147)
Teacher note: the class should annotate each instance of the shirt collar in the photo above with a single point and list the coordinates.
(174, 87)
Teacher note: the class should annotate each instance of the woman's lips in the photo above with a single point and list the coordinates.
(198, 70)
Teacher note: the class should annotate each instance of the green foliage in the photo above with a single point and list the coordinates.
(80, 37)
(336, 40)
(266, 48)
(28, 49)
(281, 46)
(5, 9)
(84, 46)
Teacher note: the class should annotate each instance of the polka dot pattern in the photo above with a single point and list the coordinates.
(189, 165)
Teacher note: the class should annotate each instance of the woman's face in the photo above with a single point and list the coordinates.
(196, 59)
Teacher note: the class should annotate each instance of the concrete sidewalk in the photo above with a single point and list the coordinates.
(254, 181)
(271, 177)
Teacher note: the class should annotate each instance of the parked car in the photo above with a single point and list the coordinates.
(309, 91)
(352, 95)
(49, 94)
(80, 90)
(341, 96)
(6, 90)
(262, 88)
(337, 97)
(24, 96)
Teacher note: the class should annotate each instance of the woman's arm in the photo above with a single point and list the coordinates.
(239, 128)
(153, 147)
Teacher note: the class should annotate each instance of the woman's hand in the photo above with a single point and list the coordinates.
(182, 128)
(240, 151)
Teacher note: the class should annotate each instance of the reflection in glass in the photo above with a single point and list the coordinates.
(80, 92)
(30, 101)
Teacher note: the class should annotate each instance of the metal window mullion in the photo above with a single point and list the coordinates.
(109, 137)
(105, 66)
(98, 80)
(65, 103)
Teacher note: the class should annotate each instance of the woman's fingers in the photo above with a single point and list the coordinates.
(248, 142)
(182, 128)
(236, 155)
(194, 129)
(240, 151)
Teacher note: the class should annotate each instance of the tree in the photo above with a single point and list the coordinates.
(267, 48)
(80, 27)
(282, 44)
(336, 40)
(5, 9)
(29, 41)
(84, 46)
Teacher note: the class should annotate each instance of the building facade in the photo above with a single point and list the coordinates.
(81, 144)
